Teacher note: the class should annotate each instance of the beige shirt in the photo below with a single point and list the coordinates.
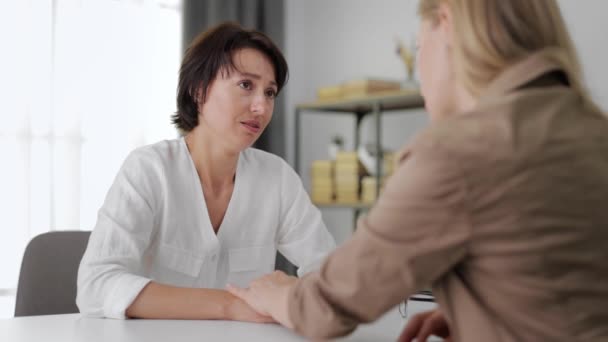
(503, 211)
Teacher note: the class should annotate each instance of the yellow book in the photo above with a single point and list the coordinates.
(314, 173)
(347, 194)
(347, 198)
(368, 86)
(367, 199)
(322, 188)
(322, 199)
(322, 165)
(331, 92)
(370, 182)
(349, 189)
(322, 168)
(346, 178)
(347, 156)
(322, 194)
(327, 197)
(368, 188)
(321, 182)
(344, 167)
(389, 163)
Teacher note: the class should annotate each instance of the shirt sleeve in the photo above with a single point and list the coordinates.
(109, 277)
(417, 231)
(302, 237)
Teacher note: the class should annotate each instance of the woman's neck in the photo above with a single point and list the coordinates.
(216, 166)
(465, 102)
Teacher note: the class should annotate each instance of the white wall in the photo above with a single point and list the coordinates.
(588, 27)
(328, 42)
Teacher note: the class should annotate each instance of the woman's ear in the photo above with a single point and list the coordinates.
(200, 99)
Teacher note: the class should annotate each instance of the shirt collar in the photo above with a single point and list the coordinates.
(523, 72)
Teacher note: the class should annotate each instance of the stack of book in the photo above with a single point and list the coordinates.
(356, 88)
(388, 163)
(369, 188)
(368, 86)
(322, 181)
(328, 93)
(347, 172)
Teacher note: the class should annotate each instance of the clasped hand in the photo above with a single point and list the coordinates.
(268, 295)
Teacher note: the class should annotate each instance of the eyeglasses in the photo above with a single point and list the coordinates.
(422, 296)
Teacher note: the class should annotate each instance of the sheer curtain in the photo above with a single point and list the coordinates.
(83, 82)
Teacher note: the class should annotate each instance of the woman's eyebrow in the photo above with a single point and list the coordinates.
(255, 76)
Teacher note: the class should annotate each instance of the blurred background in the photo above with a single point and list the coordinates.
(84, 82)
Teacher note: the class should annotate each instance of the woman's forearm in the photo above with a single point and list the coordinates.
(169, 302)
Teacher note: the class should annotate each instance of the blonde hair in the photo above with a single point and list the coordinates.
(491, 35)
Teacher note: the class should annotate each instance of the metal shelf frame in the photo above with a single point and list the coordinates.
(375, 105)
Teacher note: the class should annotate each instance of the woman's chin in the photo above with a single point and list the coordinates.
(247, 143)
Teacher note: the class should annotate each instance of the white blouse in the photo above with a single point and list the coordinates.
(154, 225)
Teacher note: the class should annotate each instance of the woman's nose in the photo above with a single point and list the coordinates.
(260, 105)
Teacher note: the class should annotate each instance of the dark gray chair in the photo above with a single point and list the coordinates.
(47, 280)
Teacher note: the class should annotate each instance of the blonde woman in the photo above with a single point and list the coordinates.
(500, 204)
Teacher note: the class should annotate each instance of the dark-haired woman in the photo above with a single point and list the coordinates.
(185, 217)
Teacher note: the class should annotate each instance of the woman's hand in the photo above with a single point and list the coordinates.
(425, 324)
(238, 310)
(268, 295)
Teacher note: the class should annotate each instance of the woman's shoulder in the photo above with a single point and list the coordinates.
(154, 159)
(449, 135)
(163, 152)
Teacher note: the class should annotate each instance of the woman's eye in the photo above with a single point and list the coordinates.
(271, 93)
(245, 85)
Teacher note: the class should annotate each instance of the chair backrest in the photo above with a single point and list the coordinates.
(47, 281)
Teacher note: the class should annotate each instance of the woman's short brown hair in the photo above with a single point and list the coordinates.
(211, 52)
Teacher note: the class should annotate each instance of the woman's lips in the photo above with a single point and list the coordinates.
(252, 126)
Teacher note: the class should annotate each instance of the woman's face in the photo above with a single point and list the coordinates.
(435, 66)
(239, 103)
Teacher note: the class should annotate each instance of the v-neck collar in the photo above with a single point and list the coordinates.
(198, 192)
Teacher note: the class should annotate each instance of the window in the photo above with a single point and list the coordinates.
(83, 83)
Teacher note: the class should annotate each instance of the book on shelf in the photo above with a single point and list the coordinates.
(353, 167)
(388, 166)
(322, 188)
(323, 197)
(347, 198)
(344, 168)
(323, 165)
(347, 157)
(368, 86)
(347, 186)
(322, 182)
(369, 190)
(322, 168)
(343, 177)
(355, 88)
(331, 92)
(344, 180)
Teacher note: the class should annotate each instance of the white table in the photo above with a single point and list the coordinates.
(77, 328)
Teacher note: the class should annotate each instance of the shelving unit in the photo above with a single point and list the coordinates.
(375, 105)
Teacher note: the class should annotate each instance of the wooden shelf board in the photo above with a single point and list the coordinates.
(392, 100)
